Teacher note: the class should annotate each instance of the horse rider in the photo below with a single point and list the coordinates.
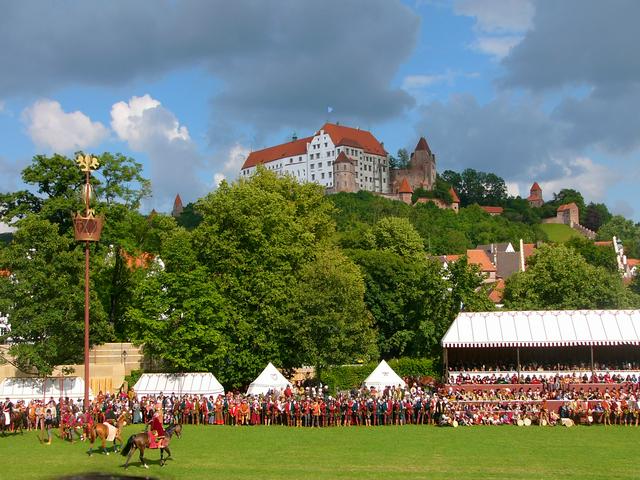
(7, 411)
(156, 427)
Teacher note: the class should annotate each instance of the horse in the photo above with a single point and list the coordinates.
(142, 441)
(102, 431)
(16, 421)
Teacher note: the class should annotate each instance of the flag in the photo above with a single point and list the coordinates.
(329, 109)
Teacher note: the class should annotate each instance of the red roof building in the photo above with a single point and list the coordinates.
(493, 211)
(535, 195)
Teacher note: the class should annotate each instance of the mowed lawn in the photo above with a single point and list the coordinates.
(409, 452)
(559, 233)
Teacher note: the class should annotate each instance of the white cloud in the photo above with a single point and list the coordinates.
(130, 124)
(51, 128)
(497, 47)
(412, 82)
(513, 188)
(582, 174)
(236, 156)
(498, 16)
(175, 162)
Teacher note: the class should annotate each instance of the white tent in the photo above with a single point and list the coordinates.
(383, 376)
(178, 383)
(269, 379)
(27, 389)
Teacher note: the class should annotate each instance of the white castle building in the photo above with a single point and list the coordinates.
(311, 159)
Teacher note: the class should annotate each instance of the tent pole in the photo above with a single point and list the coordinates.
(592, 369)
(518, 361)
(445, 358)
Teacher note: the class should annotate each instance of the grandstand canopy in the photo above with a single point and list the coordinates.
(550, 328)
(178, 383)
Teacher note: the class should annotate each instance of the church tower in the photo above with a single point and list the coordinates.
(177, 207)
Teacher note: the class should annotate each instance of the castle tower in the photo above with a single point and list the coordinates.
(344, 174)
(423, 166)
(535, 195)
(177, 207)
(405, 192)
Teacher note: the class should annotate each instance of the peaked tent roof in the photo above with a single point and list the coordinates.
(17, 388)
(178, 383)
(383, 376)
(405, 187)
(422, 145)
(269, 379)
(548, 328)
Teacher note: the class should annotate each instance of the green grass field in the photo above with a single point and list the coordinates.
(409, 452)
(559, 233)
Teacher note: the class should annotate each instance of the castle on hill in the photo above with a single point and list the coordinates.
(346, 159)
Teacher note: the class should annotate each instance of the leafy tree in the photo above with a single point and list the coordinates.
(595, 255)
(596, 215)
(189, 218)
(330, 324)
(255, 238)
(179, 313)
(624, 230)
(44, 298)
(477, 187)
(559, 278)
(396, 235)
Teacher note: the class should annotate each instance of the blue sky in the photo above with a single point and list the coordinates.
(521, 88)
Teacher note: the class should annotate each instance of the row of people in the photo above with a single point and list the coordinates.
(543, 367)
(532, 378)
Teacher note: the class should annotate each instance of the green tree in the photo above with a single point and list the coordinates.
(624, 230)
(44, 298)
(255, 237)
(595, 255)
(559, 278)
(397, 235)
(330, 324)
(596, 215)
(179, 313)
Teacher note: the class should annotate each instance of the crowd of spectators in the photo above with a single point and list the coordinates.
(448, 405)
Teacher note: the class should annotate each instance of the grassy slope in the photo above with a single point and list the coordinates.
(380, 452)
(558, 233)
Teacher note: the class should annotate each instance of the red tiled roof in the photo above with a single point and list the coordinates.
(422, 145)
(528, 249)
(535, 187)
(608, 243)
(497, 210)
(633, 262)
(342, 158)
(354, 137)
(4, 273)
(177, 201)
(449, 258)
(405, 187)
(480, 258)
(284, 150)
(497, 291)
(567, 206)
(454, 195)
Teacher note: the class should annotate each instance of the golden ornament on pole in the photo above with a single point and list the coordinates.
(87, 228)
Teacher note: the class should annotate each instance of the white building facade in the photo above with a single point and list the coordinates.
(311, 159)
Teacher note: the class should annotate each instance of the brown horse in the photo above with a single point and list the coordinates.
(141, 441)
(16, 422)
(101, 430)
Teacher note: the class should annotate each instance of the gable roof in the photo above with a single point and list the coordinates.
(354, 137)
(5, 273)
(567, 206)
(606, 243)
(528, 249)
(284, 150)
(490, 210)
(480, 258)
(547, 328)
(633, 262)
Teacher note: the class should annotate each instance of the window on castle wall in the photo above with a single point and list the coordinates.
(313, 176)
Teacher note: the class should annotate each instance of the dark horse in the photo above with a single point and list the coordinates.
(16, 422)
(141, 441)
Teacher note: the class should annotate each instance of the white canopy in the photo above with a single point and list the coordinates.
(178, 383)
(550, 328)
(17, 388)
(269, 379)
(383, 376)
